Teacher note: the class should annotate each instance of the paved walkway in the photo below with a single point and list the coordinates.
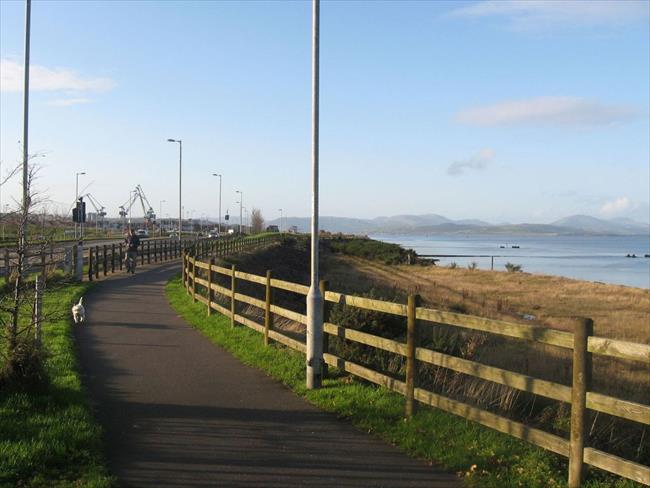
(180, 412)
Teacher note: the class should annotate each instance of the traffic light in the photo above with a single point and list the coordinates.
(227, 217)
(79, 212)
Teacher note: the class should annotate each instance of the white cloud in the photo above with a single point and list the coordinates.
(48, 79)
(548, 14)
(66, 102)
(479, 162)
(615, 207)
(553, 111)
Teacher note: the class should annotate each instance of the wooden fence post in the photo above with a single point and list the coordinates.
(210, 292)
(580, 385)
(322, 284)
(184, 269)
(96, 263)
(7, 263)
(43, 265)
(90, 264)
(267, 308)
(411, 344)
(194, 279)
(105, 260)
(112, 258)
(148, 252)
(38, 309)
(233, 290)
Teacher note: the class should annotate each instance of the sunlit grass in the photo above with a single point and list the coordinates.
(48, 436)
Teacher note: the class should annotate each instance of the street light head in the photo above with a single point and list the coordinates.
(171, 140)
(215, 174)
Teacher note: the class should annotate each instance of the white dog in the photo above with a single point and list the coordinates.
(79, 312)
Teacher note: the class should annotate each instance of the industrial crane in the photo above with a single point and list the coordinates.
(99, 209)
(147, 209)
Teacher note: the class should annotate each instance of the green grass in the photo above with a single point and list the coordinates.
(482, 457)
(48, 437)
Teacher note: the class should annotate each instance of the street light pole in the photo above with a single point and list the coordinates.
(314, 297)
(160, 215)
(180, 180)
(28, 23)
(280, 219)
(241, 203)
(76, 199)
(215, 174)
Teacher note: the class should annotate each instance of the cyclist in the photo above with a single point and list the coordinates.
(132, 243)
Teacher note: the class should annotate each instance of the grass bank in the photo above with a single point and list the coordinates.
(48, 436)
(483, 458)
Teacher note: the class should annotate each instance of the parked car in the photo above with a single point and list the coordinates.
(142, 233)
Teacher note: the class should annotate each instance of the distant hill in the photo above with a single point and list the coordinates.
(594, 225)
(438, 224)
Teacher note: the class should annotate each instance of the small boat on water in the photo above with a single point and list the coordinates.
(515, 247)
(632, 256)
(647, 256)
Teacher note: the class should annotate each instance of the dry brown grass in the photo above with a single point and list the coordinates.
(619, 312)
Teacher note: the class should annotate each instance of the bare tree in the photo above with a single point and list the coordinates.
(22, 356)
(257, 221)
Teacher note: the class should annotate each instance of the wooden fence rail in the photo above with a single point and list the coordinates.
(200, 280)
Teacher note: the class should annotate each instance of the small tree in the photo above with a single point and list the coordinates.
(257, 221)
(513, 268)
(21, 354)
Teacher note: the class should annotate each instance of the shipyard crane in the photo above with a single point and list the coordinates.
(147, 210)
(125, 209)
(138, 195)
(100, 210)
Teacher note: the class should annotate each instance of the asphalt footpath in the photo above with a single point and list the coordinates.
(178, 411)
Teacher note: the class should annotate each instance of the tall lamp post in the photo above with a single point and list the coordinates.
(241, 203)
(160, 215)
(76, 198)
(215, 174)
(23, 228)
(280, 219)
(314, 297)
(180, 180)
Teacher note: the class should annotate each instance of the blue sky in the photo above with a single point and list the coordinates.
(509, 111)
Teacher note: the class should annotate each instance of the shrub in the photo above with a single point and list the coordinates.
(513, 268)
(371, 249)
(453, 265)
(472, 266)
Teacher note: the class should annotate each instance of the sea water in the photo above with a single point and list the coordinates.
(592, 258)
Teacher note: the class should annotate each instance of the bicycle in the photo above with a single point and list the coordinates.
(131, 260)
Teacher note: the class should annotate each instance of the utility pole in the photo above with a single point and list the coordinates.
(314, 297)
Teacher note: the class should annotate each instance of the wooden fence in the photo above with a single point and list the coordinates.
(200, 277)
(110, 257)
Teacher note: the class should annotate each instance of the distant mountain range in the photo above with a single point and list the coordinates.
(437, 224)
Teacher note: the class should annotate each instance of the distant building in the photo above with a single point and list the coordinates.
(272, 228)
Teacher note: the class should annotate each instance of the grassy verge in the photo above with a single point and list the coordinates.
(482, 457)
(48, 437)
